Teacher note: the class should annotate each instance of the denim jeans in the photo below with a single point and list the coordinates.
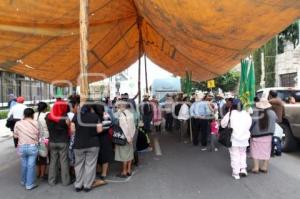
(28, 153)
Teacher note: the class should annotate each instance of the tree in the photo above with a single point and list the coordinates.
(227, 82)
(270, 58)
(289, 34)
(257, 67)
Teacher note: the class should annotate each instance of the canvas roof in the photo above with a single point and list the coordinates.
(40, 39)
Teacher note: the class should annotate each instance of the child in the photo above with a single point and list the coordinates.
(276, 140)
(214, 129)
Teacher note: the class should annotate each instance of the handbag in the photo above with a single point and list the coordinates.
(118, 136)
(43, 148)
(225, 135)
(10, 122)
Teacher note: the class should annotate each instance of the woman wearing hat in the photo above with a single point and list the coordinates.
(262, 129)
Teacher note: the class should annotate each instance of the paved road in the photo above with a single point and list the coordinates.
(183, 171)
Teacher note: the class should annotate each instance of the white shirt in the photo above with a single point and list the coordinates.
(240, 122)
(17, 111)
(184, 113)
(41, 119)
(127, 124)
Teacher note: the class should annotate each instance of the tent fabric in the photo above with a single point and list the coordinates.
(40, 39)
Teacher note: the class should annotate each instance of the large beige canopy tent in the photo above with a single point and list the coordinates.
(40, 38)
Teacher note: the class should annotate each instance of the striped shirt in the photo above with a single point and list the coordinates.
(27, 132)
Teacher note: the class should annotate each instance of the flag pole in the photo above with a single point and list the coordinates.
(84, 62)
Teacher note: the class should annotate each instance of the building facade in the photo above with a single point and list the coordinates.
(287, 68)
(18, 85)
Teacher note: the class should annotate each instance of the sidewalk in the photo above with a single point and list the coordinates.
(4, 131)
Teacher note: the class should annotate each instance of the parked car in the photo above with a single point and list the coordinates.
(291, 121)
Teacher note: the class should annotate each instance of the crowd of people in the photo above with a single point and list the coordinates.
(74, 140)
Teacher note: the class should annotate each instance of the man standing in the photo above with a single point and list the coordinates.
(277, 105)
(147, 113)
(200, 113)
(168, 110)
(17, 113)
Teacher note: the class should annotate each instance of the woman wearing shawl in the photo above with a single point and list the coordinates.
(58, 126)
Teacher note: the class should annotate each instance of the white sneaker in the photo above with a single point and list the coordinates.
(204, 149)
(216, 149)
(243, 173)
(236, 177)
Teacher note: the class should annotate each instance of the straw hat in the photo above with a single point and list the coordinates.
(221, 95)
(263, 104)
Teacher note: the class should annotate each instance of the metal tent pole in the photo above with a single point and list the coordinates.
(84, 25)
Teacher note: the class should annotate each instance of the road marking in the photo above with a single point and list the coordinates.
(122, 181)
(157, 146)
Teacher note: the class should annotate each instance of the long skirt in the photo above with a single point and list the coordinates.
(260, 147)
(124, 153)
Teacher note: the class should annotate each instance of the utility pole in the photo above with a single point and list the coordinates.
(84, 62)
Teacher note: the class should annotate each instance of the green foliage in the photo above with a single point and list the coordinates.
(289, 34)
(227, 82)
(3, 114)
(257, 67)
(270, 57)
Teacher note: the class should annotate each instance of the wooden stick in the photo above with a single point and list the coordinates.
(84, 25)
(146, 73)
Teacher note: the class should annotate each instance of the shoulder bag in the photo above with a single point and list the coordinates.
(225, 135)
(118, 136)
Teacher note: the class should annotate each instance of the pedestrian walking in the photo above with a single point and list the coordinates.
(12, 101)
(87, 127)
(183, 117)
(263, 128)
(240, 121)
(40, 117)
(27, 132)
(157, 117)
(58, 126)
(15, 114)
(214, 134)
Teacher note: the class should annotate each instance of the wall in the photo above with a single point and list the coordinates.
(288, 62)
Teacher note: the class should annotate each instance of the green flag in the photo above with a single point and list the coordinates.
(247, 83)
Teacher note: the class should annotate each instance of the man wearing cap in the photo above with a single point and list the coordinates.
(17, 113)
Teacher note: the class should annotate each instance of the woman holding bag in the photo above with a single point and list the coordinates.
(240, 121)
(264, 119)
(125, 154)
(44, 136)
(27, 132)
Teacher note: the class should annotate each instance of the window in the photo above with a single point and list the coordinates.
(285, 94)
(288, 80)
